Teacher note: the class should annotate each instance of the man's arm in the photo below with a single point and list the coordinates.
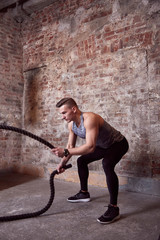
(92, 129)
(72, 137)
(91, 124)
(71, 144)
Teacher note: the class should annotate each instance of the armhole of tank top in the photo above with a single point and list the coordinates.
(73, 126)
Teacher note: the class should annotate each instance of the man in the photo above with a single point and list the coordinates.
(102, 141)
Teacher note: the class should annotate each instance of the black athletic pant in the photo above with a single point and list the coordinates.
(111, 156)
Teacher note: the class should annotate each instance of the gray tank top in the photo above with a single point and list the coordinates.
(106, 137)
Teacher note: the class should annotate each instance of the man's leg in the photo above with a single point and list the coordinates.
(112, 157)
(82, 162)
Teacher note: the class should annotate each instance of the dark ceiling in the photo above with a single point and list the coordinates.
(30, 5)
(22, 8)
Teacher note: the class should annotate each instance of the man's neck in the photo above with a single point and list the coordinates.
(77, 119)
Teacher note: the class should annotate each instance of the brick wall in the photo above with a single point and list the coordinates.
(105, 54)
(11, 89)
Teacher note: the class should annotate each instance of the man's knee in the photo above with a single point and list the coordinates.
(81, 161)
(107, 167)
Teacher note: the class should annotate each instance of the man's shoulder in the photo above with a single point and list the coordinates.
(92, 118)
(89, 114)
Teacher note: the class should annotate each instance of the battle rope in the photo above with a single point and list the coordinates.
(52, 188)
(29, 134)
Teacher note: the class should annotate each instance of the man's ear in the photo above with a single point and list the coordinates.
(74, 109)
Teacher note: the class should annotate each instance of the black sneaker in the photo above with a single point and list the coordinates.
(80, 197)
(110, 215)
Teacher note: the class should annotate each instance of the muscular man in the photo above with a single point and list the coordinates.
(102, 141)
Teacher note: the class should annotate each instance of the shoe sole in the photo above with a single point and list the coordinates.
(116, 218)
(79, 200)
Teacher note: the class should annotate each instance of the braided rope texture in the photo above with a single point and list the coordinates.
(51, 181)
(26, 133)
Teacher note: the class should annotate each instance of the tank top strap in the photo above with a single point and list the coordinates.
(79, 131)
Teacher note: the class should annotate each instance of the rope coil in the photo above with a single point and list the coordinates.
(51, 181)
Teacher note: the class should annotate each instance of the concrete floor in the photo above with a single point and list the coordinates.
(140, 214)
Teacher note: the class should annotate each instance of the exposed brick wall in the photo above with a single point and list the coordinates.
(11, 89)
(105, 54)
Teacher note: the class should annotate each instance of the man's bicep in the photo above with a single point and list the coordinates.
(71, 139)
(92, 133)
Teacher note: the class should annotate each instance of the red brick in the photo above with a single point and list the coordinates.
(103, 63)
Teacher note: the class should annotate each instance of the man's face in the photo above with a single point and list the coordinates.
(67, 113)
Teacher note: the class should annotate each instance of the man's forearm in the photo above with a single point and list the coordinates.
(64, 160)
(84, 149)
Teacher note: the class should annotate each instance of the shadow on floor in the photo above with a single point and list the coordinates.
(142, 210)
(9, 179)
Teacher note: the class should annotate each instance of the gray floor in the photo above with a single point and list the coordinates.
(140, 214)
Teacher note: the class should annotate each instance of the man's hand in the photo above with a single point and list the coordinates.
(60, 168)
(58, 151)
